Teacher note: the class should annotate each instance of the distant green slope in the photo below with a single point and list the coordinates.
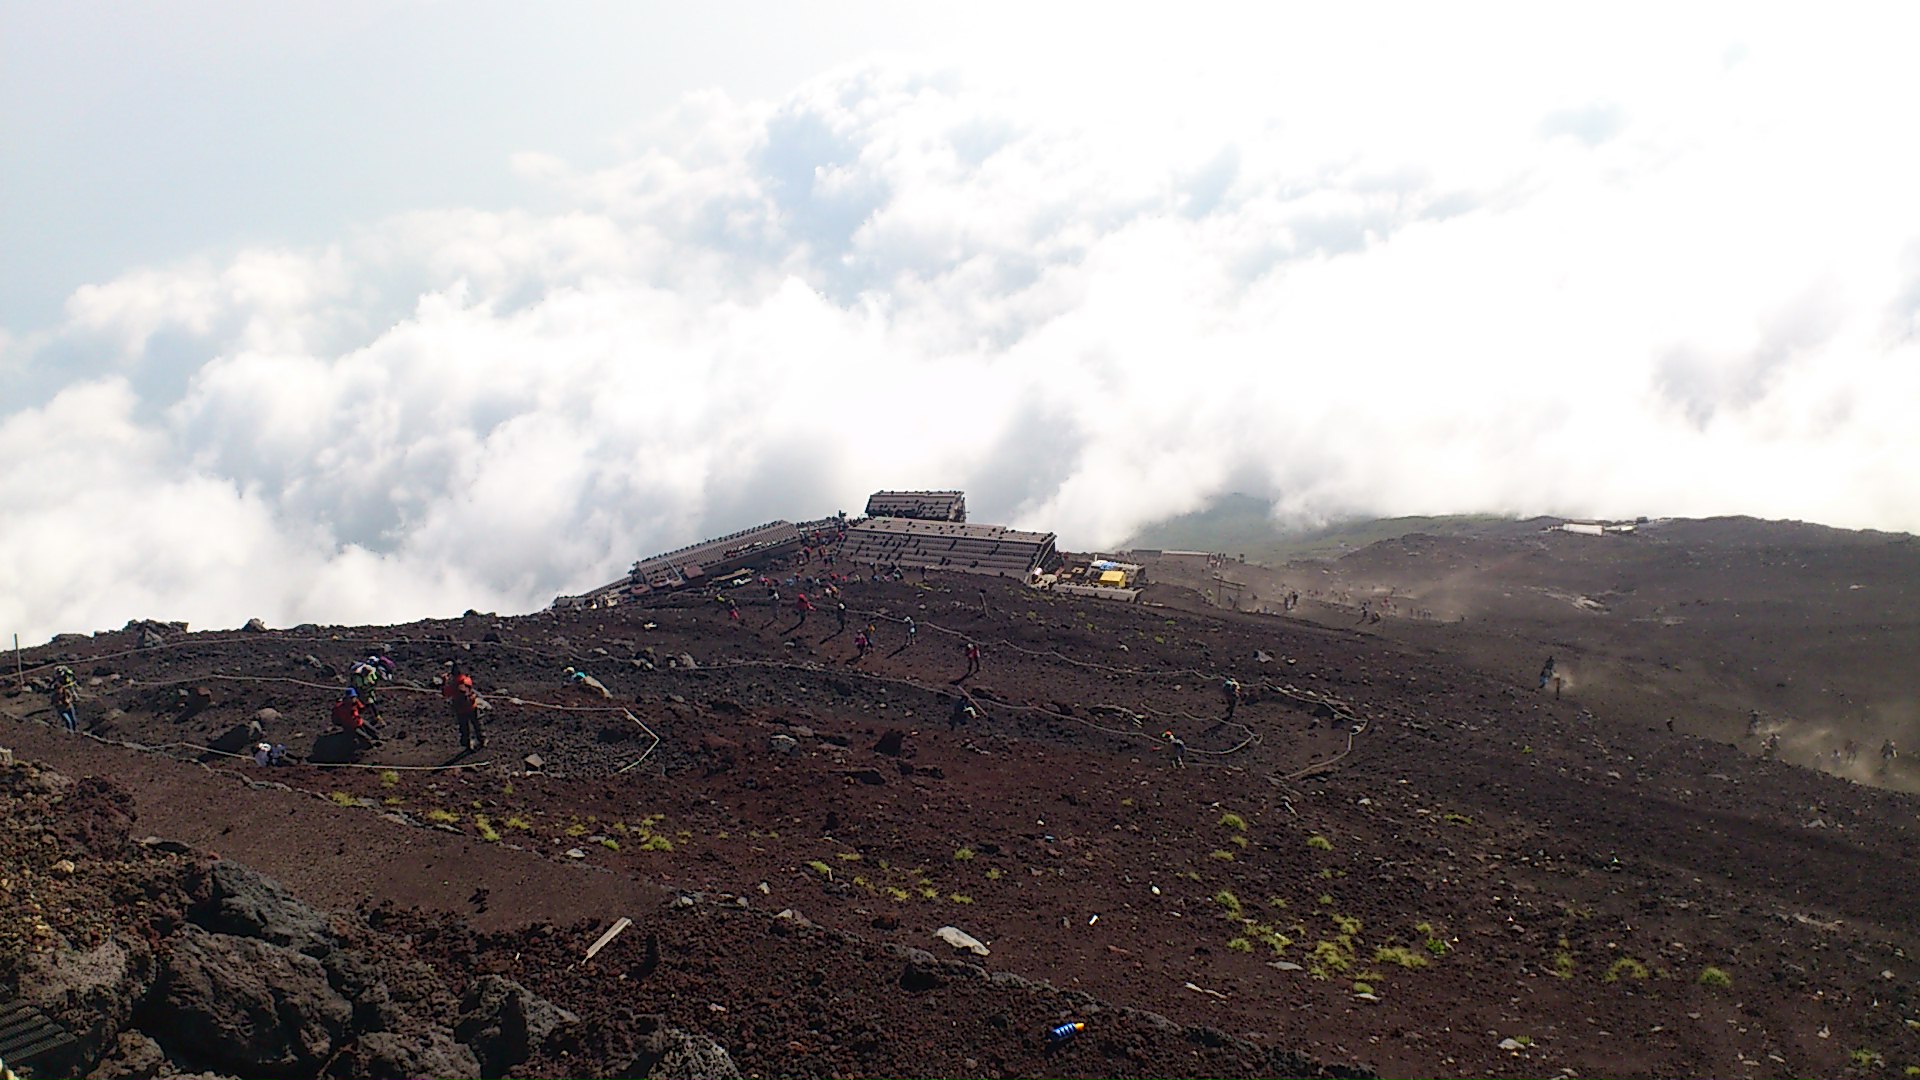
(1239, 525)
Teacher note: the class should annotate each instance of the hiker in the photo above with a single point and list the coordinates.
(964, 712)
(1852, 751)
(1771, 747)
(465, 704)
(267, 754)
(1753, 723)
(348, 716)
(1230, 690)
(802, 607)
(840, 613)
(913, 632)
(733, 609)
(1179, 749)
(1887, 754)
(66, 700)
(366, 675)
(862, 643)
(973, 658)
(873, 636)
(582, 679)
(1546, 673)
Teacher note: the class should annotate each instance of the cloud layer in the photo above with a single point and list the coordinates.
(1701, 299)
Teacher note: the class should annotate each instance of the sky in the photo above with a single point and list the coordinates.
(347, 312)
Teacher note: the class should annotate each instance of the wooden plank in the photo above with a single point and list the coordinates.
(612, 932)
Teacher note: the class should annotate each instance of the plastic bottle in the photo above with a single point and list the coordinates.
(1066, 1031)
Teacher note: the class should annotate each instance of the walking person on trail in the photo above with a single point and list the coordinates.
(873, 636)
(1753, 723)
(1230, 690)
(1771, 747)
(913, 632)
(840, 613)
(1179, 748)
(1546, 673)
(964, 711)
(365, 676)
(464, 702)
(802, 607)
(349, 716)
(66, 699)
(863, 644)
(1887, 755)
(973, 658)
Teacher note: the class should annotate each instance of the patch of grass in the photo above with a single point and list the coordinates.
(1126, 802)
(1424, 929)
(848, 856)
(1865, 1058)
(1190, 875)
(651, 820)
(993, 873)
(618, 828)
(928, 892)
(518, 822)
(506, 788)
(1626, 968)
(961, 898)
(610, 843)
(576, 829)
(1714, 979)
(443, 817)
(1234, 821)
(389, 778)
(1362, 988)
(1911, 1070)
(1319, 843)
(820, 868)
(1230, 902)
(1326, 874)
(1276, 901)
(964, 854)
(1563, 965)
(656, 843)
(392, 800)
(1347, 925)
(1223, 856)
(1438, 946)
(896, 892)
(1238, 841)
(1327, 957)
(1400, 955)
(1273, 938)
(1457, 819)
(1326, 899)
(485, 828)
(343, 798)
(1239, 944)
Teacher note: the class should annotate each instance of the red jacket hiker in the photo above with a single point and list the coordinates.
(346, 714)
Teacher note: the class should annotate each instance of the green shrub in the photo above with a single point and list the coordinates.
(1362, 988)
(1234, 821)
(518, 822)
(1239, 944)
(961, 898)
(443, 817)
(1864, 1058)
(1404, 957)
(964, 854)
(610, 843)
(820, 868)
(993, 873)
(1223, 856)
(485, 828)
(1626, 968)
(389, 778)
(656, 843)
(1230, 902)
(344, 798)
(1327, 957)
(1563, 965)
(1319, 843)
(1714, 978)
(1438, 946)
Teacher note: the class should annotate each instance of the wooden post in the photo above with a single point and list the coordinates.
(18, 671)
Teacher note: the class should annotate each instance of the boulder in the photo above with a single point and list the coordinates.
(92, 993)
(255, 626)
(891, 743)
(676, 1054)
(960, 939)
(151, 640)
(432, 1052)
(244, 903)
(784, 744)
(505, 1023)
(134, 1057)
(243, 1005)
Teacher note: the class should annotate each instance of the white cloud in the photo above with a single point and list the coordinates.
(1361, 288)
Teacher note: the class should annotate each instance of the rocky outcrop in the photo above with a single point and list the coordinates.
(505, 1023)
(93, 993)
(243, 903)
(244, 1005)
(428, 1053)
(676, 1054)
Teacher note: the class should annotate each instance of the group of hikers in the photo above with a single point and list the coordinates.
(356, 712)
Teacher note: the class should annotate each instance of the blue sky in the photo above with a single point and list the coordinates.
(374, 311)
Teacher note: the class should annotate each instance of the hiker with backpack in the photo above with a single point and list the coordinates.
(464, 702)
(349, 715)
(66, 699)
